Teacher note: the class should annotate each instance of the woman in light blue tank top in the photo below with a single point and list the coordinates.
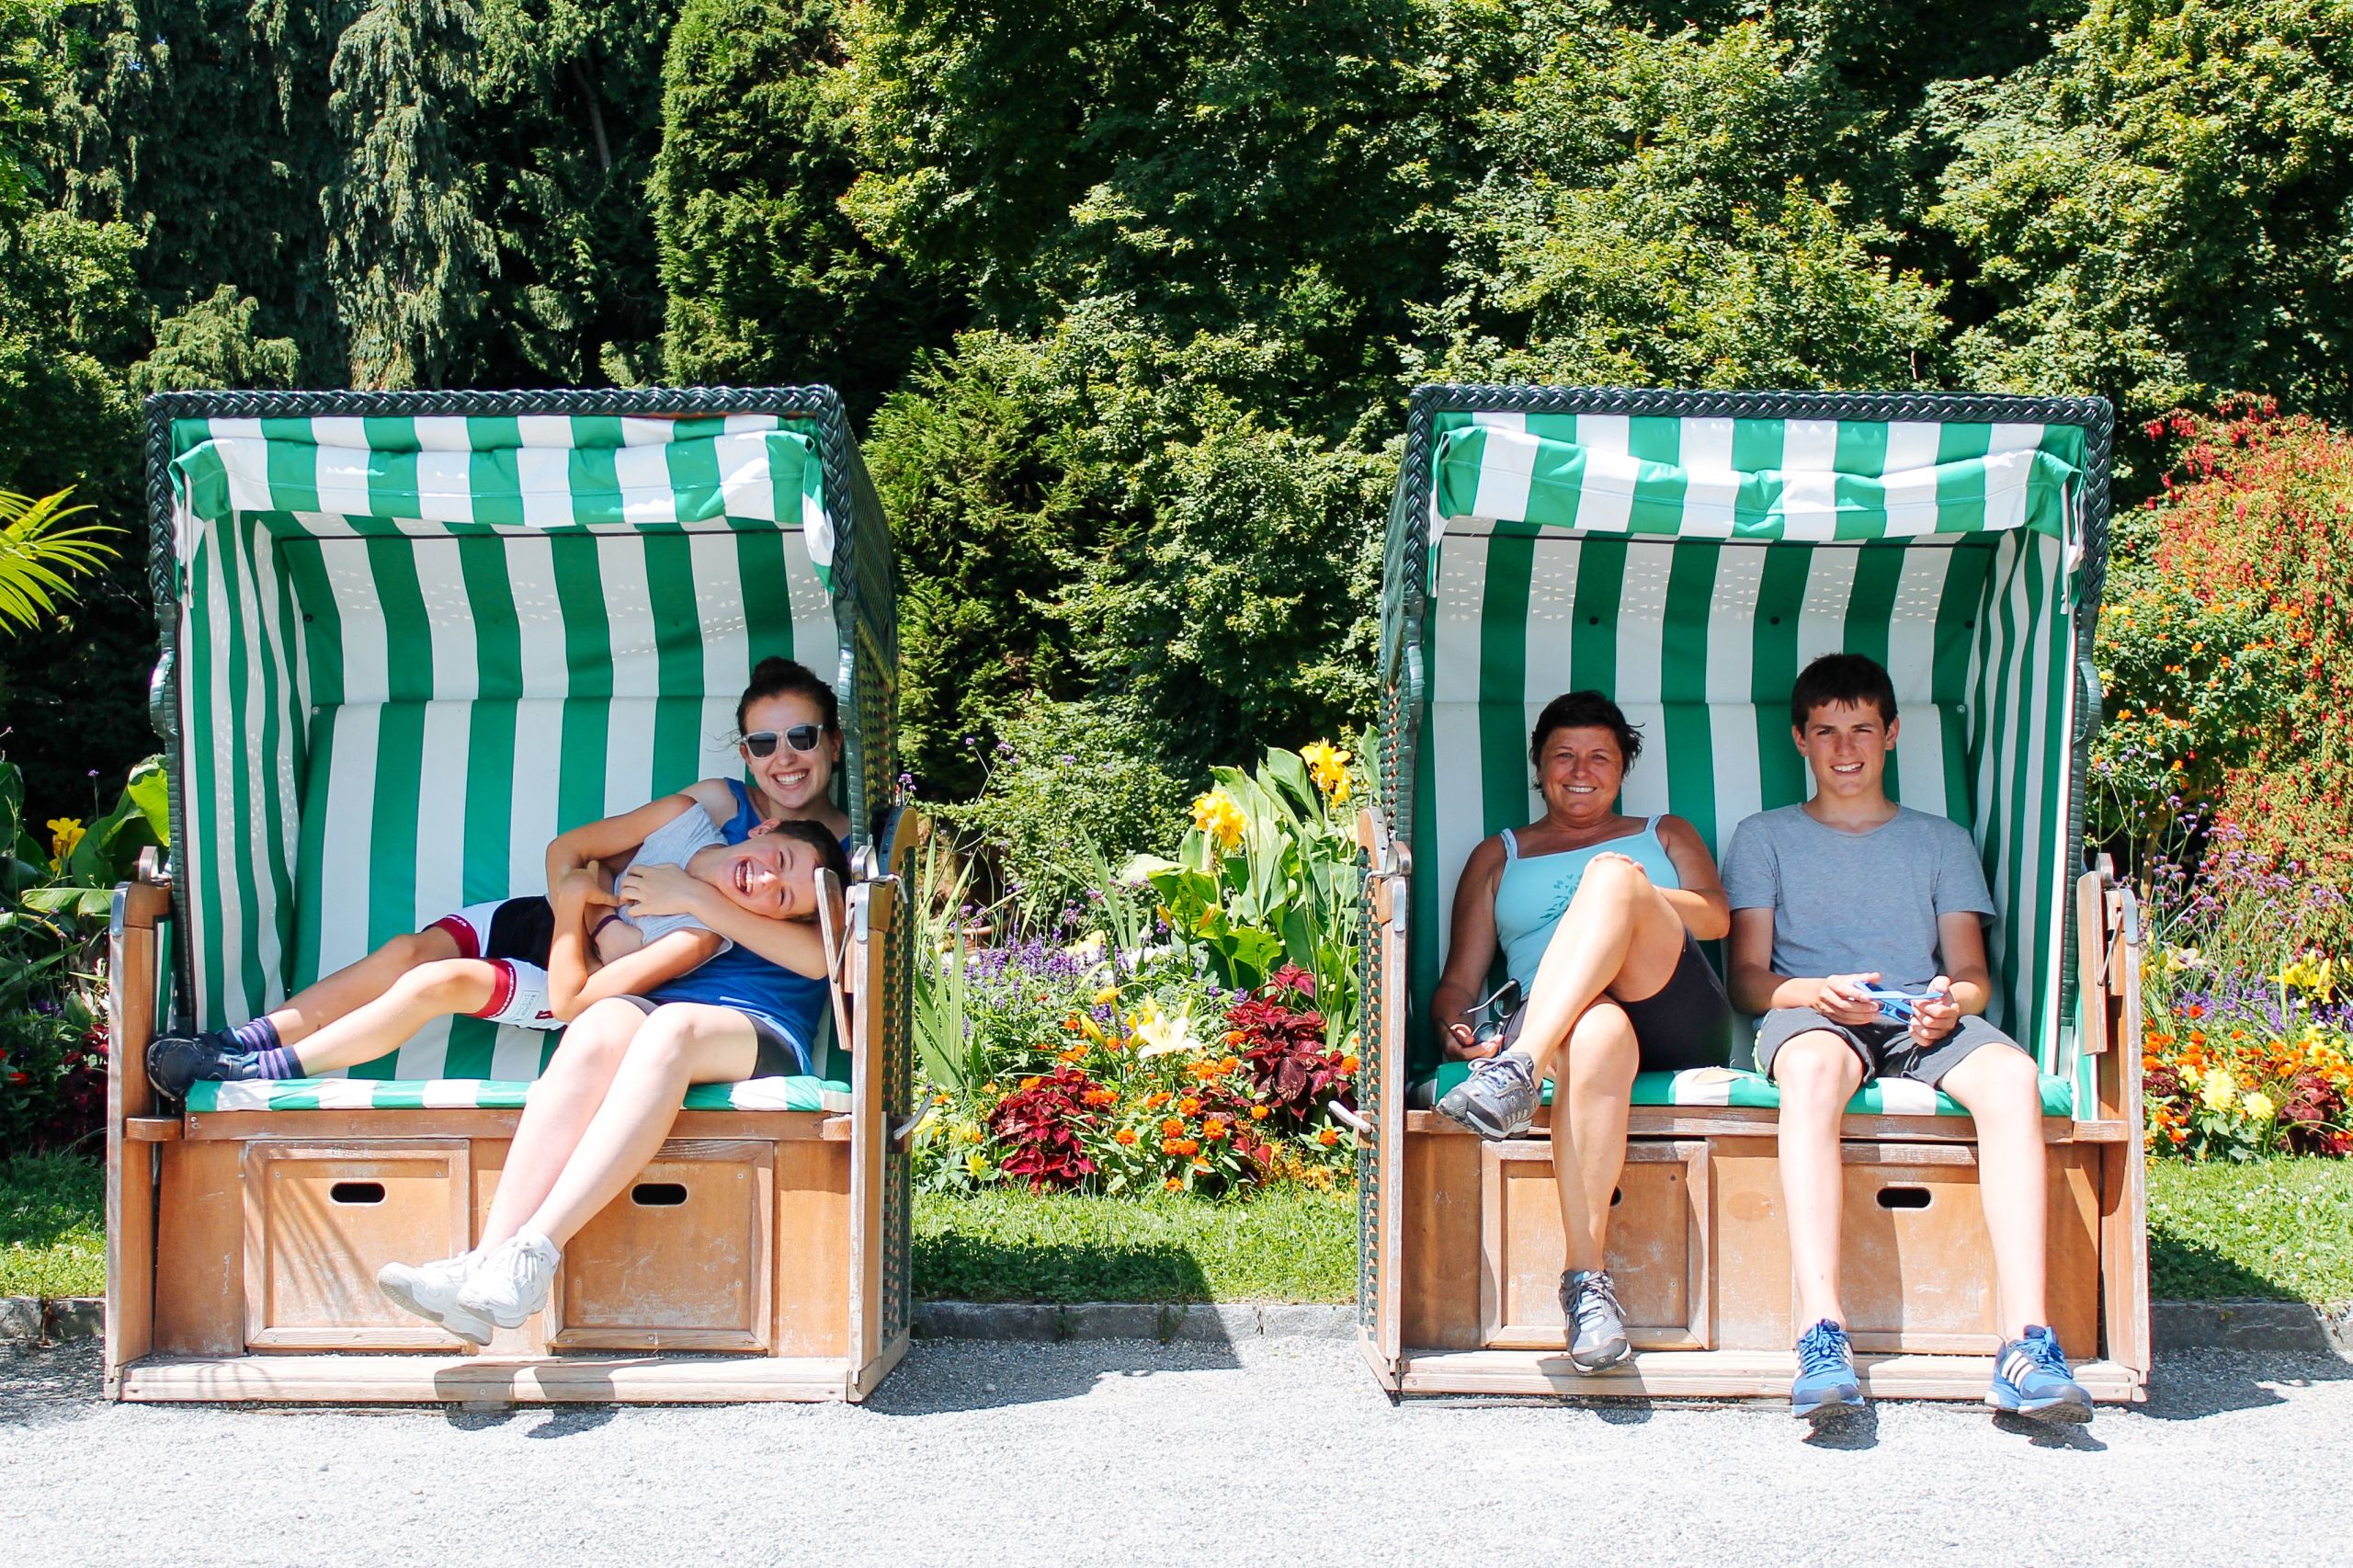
(1598, 918)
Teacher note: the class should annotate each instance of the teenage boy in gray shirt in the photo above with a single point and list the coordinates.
(1852, 890)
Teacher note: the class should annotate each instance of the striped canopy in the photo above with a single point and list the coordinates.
(412, 650)
(1689, 566)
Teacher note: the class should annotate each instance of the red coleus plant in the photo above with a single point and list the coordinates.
(1040, 1122)
(1280, 1035)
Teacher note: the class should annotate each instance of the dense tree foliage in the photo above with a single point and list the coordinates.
(1127, 297)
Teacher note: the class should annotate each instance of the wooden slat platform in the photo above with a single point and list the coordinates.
(1725, 1374)
(443, 1380)
(1748, 1121)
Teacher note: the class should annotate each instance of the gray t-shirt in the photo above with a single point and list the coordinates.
(673, 843)
(1852, 903)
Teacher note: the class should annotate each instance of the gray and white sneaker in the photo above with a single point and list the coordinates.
(430, 1291)
(1596, 1323)
(1499, 1098)
(512, 1281)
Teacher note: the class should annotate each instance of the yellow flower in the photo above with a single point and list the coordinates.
(1220, 819)
(2179, 959)
(2312, 973)
(64, 832)
(2258, 1106)
(1330, 768)
(1106, 996)
(2218, 1091)
(976, 1164)
(1161, 1033)
(967, 1132)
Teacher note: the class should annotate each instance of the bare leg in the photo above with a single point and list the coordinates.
(561, 1105)
(1818, 1074)
(356, 984)
(437, 989)
(2000, 1088)
(1589, 1126)
(681, 1043)
(1617, 935)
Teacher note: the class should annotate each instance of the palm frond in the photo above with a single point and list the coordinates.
(38, 552)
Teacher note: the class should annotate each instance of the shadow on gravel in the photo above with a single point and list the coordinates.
(941, 1375)
(39, 1385)
(2190, 1385)
(1855, 1432)
(2044, 1435)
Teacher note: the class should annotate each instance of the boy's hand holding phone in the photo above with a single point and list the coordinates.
(1847, 999)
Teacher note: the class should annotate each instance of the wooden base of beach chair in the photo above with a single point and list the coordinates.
(1699, 1246)
(750, 1260)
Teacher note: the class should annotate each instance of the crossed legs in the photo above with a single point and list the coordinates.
(367, 1008)
(1618, 938)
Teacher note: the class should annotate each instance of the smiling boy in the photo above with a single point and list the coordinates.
(1852, 890)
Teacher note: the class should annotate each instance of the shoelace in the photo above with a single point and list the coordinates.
(2043, 1350)
(1593, 1292)
(1822, 1349)
(1506, 1065)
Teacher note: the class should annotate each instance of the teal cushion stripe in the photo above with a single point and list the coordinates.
(363, 1094)
(1749, 1091)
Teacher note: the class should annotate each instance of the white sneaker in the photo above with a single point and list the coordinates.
(511, 1281)
(430, 1291)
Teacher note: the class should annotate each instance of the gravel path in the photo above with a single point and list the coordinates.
(1270, 1455)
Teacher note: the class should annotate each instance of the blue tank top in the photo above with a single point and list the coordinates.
(1536, 888)
(793, 1005)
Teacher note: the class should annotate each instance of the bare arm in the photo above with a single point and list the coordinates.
(611, 837)
(1967, 983)
(1700, 901)
(575, 978)
(1757, 989)
(668, 890)
(1471, 946)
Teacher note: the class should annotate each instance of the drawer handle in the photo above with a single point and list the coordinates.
(356, 1192)
(1903, 1197)
(1616, 1196)
(657, 1194)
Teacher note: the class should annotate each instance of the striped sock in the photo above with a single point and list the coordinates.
(277, 1062)
(255, 1034)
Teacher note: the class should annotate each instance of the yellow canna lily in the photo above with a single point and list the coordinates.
(1220, 818)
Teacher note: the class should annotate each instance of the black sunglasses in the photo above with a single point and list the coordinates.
(800, 737)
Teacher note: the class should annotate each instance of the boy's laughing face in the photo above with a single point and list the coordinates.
(1846, 745)
(767, 874)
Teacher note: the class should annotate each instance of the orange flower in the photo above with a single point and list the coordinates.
(1234, 1037)
(1213, 1129)
(1231, 1064)
(1202, 1167)
(1349, 1064)
(1102, 1097)
(1171, 1128)
(1188, 1147)
(1168, 1146)
(1070, 1023)
(1257, 1113)
(1072, 1055)
(1327, 1138)
(1124, 1136)
(1173, 1184)
(1030, 1082)
(1188, 1105)
(1155, 1102)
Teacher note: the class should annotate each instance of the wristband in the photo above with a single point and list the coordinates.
(598, 929)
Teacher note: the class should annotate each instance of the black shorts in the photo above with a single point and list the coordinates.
(519, 928)
(1685, 1023)
(777, 1057)
(1886, 1051)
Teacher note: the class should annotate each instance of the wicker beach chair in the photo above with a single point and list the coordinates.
(406, 640)
(1687, 553)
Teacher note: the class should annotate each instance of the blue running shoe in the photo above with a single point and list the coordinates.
(1825, 1385)
(2031, 1377)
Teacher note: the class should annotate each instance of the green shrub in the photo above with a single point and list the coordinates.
(1069, 787)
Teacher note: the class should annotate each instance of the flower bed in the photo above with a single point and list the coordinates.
(1167, 1033)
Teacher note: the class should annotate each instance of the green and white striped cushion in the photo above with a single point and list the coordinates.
(412, 650)
(1704, 1086)
(1689, 568)
(485, 1093)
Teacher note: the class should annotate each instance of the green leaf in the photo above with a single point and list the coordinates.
(88, 903)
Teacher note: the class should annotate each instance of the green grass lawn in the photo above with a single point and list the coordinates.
(1285, 1244)
(2280, 1229)
(2277, 1228)
(53, 1225)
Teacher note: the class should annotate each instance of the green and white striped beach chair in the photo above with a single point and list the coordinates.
(1686, 554)
(407, 640)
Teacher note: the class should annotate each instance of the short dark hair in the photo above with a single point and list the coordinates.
(776, 676)
(1841, 677)
(1585, 711)
(820, 837)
